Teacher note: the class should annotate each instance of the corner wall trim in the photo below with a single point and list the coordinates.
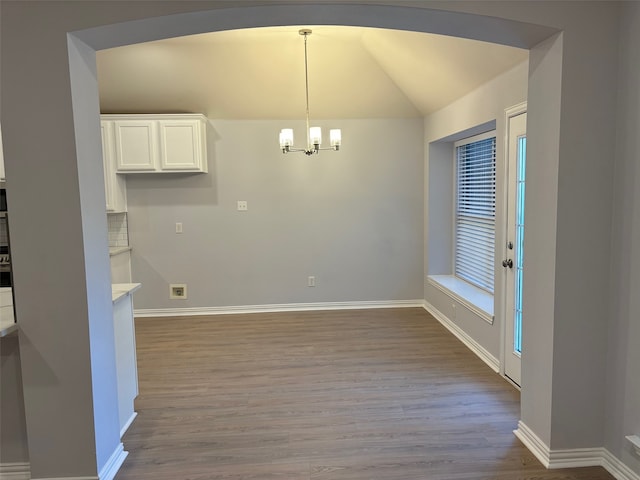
(15, 471)
(110, 469)
(474, 346)
(126, 426)
(284, 307)
(535, 445)
(572, 458)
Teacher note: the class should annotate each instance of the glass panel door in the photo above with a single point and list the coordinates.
(514, 262)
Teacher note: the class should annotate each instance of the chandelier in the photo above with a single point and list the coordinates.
(314, 134)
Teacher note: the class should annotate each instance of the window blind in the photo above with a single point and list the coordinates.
(475, 220)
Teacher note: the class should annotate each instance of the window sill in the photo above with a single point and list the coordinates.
(473, 298)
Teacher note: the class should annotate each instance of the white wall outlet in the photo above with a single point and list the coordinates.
(179, 227)
(178, 291)
(242, 206)
(311, 281)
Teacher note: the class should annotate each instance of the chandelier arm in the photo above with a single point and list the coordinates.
(311, 150)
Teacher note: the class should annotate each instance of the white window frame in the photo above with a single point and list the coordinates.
(465, 141)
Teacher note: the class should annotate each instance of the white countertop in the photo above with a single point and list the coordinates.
(117, 250)
(121, 290)
(8, 326)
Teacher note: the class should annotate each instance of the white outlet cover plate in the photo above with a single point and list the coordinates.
(175, 286)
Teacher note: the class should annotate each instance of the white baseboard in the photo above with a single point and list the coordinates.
(126, 426)
(576, 457)
(284, 307)
(615, 467)
(15, 471)
(474, 346)
(66, 478)
(110, 469)
(573, 458)
(10, 471)
(535, 445)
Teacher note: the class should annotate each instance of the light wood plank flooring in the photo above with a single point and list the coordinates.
(384, 394)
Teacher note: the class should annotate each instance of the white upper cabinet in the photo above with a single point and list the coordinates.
(115, 186)
(2, 176)
(159, 143)
(181, 144)
(136, 145)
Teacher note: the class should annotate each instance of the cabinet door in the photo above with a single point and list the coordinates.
(107, 154)
(126, 362)
(182, 146)
(136, 145)
(114, 185)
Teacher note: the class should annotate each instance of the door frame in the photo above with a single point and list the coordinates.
(502, 252)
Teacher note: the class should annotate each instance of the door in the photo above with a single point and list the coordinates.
(514, 261)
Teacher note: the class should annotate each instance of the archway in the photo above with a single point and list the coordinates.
(481, 28)
(88, 229)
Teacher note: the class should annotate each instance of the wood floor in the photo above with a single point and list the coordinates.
(384, 394)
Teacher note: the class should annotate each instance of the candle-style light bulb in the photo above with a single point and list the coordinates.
(315, 135)
(286, 138)
(335, 137)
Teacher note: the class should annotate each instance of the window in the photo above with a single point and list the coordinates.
(475, 212)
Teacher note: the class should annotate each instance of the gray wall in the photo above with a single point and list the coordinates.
(62, 284)
(352, 219)
(623, 387)
(540, 237)
(572, 88)
(583, 227)
(439, 208)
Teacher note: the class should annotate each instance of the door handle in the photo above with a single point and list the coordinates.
(507, 263)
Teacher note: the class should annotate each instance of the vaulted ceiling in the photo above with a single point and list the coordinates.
(259, 73)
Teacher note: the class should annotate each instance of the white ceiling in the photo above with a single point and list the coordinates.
(259, 73)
